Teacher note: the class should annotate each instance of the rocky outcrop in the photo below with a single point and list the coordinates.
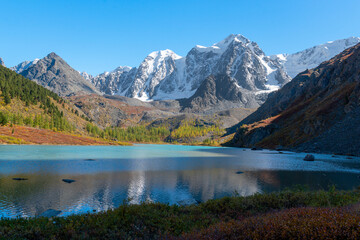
(317, 111)
(55, 74)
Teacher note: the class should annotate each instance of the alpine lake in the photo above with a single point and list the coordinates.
(82, 179)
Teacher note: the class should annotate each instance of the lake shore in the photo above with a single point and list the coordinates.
(282, 215)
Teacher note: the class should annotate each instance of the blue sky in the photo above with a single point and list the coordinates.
(98, 36)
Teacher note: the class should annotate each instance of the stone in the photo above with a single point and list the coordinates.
(309, 157)
(68, 180)
(19, 179)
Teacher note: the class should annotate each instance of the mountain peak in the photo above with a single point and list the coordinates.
(122, 69)
(52, 55)
(221, 46)
(163, 54)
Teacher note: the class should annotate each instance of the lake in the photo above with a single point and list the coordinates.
(105, 176)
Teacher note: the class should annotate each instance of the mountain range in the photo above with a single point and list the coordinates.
(318, 111)
(235, 62)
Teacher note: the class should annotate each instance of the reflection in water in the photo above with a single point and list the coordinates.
(168, 174)
(103, 191)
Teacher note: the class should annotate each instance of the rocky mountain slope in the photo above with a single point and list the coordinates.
(317, 111)
(2, 62)
(218, 93)
(55, 74)
(312, 57)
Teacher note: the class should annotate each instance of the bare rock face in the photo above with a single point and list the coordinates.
(318, 111)
(55, 74)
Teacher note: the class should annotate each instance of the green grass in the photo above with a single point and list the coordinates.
(12, 140)
(155, 220)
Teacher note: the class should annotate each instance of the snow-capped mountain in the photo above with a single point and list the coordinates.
(156, 67)
(86, 76)
(115, 81)
(2, 62)
(24, 65)
(312, 57)
(166, 75)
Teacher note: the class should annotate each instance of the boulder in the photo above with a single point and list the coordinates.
(309, 157)
(68, 180)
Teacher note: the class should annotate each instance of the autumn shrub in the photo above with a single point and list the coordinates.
(295, 223)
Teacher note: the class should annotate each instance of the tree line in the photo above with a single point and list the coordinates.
(13, 85)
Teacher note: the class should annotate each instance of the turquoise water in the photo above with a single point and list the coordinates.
(107, 175)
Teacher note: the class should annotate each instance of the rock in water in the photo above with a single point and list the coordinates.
(68, 180)
(19, 179)
(50, 213)
(309, 157)
(256, 149)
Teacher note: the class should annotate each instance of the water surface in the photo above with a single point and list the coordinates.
(107, 175)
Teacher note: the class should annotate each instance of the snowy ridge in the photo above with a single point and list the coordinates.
(24, 65)
(312, 57)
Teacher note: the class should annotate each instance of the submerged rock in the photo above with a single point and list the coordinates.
(256, 149)
(68, 180)
(50, 213)
(309, 157)
(89, 160)
(19, 179)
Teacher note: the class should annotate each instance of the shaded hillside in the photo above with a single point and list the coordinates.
(218, 93)
(318, 111)
(55, 74)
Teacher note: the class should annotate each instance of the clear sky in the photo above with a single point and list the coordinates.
(98, 36)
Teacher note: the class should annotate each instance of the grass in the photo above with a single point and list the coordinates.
(261, 216)
(11, 140)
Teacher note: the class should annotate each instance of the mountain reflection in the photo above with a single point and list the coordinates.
(108, 190)
(103, 191)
